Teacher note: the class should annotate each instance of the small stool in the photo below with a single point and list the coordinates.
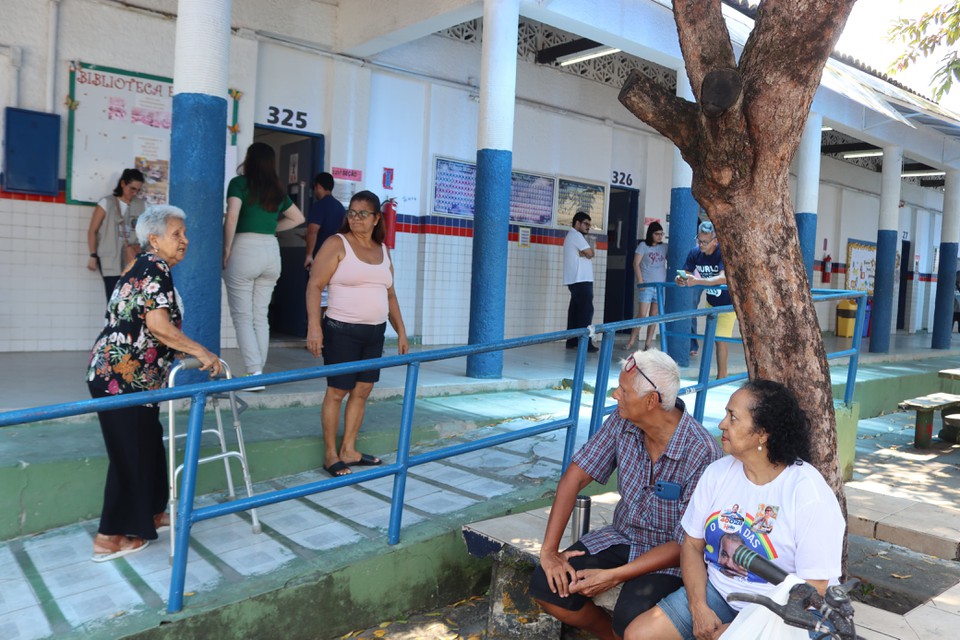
(951, 428)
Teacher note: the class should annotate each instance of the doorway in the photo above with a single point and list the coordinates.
(622, 217)
(300, 158)
(904, 281)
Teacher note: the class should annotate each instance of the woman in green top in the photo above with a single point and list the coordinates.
(251, 255)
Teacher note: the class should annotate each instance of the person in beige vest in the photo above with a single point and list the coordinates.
(111, 237)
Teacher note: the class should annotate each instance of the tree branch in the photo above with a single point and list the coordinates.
(772, 72)
(704, 39)
(672, 117)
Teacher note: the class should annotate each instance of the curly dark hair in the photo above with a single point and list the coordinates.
(776, 411)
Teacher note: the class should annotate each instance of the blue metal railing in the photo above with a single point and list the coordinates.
(187, 515)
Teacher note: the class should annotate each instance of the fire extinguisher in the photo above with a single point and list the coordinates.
(390, 222)
(827, 269)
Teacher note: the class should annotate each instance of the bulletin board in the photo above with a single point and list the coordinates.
(117, 119)
(531, 198)
(573, 196)
(861, 265)
(455, 181)
(453, 187)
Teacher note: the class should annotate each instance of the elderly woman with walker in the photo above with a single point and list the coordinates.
(134, 352)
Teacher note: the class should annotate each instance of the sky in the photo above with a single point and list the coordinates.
(865, 38)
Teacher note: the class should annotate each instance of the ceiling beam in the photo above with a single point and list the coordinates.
(848, 147)
(550, 54)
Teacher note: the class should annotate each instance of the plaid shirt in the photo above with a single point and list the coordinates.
(641, 519)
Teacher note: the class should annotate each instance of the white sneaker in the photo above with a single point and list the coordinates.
(258, 387)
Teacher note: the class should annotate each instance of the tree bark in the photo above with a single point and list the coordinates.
(741, 160)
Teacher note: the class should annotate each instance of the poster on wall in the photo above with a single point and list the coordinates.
(117, 119)
(531, 195)
(573, 196)
(453, 187)
(531, 198)
(861, 265)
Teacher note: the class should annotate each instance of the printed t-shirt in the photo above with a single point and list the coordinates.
(708, 266)
(653, 262)
(793, 521)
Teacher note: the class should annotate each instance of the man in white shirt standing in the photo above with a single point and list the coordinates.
(578, 276)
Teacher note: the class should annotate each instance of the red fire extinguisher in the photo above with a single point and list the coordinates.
(390, 222)
(827, 269)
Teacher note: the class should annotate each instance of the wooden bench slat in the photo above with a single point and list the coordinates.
(931, 402)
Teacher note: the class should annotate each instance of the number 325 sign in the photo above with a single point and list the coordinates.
(283, 117)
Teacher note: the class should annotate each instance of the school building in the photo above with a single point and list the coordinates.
(391, 97)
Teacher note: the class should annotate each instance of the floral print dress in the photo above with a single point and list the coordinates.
(126, 357)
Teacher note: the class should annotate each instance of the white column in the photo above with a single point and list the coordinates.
(498, 74)
(950, 231)
(890, 188)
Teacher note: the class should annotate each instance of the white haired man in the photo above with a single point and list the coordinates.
(660, 452)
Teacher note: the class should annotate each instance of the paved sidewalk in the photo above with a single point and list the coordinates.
(51, 589)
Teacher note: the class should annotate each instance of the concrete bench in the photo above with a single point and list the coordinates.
(514, 543)
(925, 408)
(951, 422)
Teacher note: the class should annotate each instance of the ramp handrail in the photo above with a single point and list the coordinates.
(187, 515)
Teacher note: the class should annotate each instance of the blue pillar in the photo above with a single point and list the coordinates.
(498, 91)
(682, 234)
(807, 232)
(488, 293)
(946, 274)
(683, 237)
(197, 146)
(883, 291)
(808, 189)
(887, 245)
(198, 143)
(946, 285)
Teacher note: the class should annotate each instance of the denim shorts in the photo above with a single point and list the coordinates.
(677, 608)
(646, 294)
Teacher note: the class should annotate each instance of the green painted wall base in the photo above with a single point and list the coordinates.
(405, 578)
(847, 418)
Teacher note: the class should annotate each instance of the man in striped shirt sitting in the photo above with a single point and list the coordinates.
(659, 451)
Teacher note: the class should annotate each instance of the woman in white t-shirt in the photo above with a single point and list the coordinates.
(786, 513)
(649, 265)
(111, 237)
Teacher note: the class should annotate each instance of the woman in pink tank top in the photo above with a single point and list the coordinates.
(356, 265)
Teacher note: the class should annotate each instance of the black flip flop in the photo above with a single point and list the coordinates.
(337, 468)
(368, 461)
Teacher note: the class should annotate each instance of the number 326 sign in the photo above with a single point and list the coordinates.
(287, 118)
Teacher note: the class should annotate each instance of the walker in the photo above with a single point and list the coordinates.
(237, 406)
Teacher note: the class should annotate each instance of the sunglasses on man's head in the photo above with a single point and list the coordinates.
(631, 365)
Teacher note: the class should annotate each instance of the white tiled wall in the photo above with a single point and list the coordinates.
(536, 298)
(51, 302)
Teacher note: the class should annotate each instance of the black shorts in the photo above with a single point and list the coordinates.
(636, 596)
(347, 342)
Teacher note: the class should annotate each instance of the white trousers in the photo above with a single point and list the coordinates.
(250, 276)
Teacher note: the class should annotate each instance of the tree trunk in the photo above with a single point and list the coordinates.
(740, 148)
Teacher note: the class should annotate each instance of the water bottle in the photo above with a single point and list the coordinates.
(581, 518)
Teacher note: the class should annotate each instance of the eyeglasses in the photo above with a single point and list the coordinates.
(705, 243)
(631, 365)
(363, 215)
